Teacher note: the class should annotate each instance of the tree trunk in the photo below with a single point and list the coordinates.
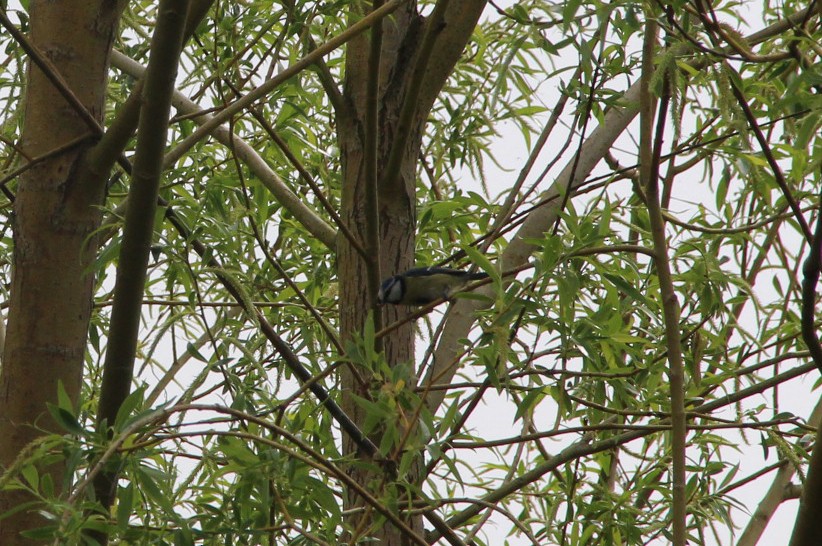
(807, 530)
(396, 218)
(402, 67)
(57, 208)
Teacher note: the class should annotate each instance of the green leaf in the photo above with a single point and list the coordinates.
(32, 476)
(147, 482)
(63, 399)
(482, 261)
(65, 419)
(41, 534)
(529, 402)
(132, 402)
(125, 506)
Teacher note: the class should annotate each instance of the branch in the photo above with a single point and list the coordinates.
(107, 151)
(118, 370)
(101, 157)
(460, 317)
(410, 106)
(768, 153)
(266, 87)
(513, 199)
(807, 531)
(263, 244)
(810, 273)
(459, 320)
(775, 494)
(306, 177)
(650, 150)
(289, 357)
(192, 347)
(584, 446)
(287, 198)
(447, 31)
(34, 161)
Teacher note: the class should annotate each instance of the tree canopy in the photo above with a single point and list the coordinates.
(194, 352)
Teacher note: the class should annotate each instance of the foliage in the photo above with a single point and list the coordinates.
(556, 429)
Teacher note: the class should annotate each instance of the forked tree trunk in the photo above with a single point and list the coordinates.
(404, 34)
(396, 217)
(57, 209)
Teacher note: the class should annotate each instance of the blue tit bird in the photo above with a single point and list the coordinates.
(422, 285)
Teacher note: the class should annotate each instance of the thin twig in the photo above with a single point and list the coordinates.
(768, 153)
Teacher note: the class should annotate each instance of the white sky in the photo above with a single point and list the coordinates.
(497, 418)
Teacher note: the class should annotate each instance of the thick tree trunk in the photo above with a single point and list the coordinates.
(56, 212)
(396, 217)
(406, 39)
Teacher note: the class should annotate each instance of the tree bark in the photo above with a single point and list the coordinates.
(396, 218)
(57, 209)
(404, 69)
(807, 530)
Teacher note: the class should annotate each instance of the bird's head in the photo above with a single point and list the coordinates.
(391, 290)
